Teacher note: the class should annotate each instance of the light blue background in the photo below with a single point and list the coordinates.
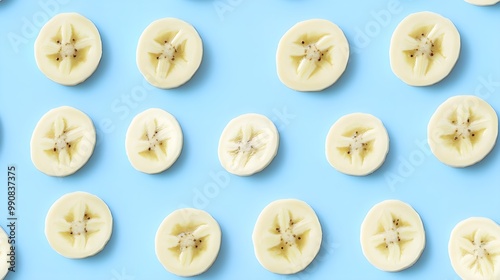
(238, 76)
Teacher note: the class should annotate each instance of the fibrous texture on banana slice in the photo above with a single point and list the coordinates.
(462, 130)
(62, 141)
(154, 141)
(312, 55)
(357, 144)
(474, 249)
(169, 53)
(188, 241)
(287, 236)
(68, 49)
(248, 144)
(78, 225)
(392, 236)
(424, 48)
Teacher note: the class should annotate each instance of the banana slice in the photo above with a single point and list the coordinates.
(68, 49)
(462, 131)
(312, 55)
(287, 236)
(78, 225)
(169, 52)
(474, 249)
(357, 144)
(482, 2)
(188, 242)
(392, 236)
(424, 48)
(154, 141)
(4, 251)
(248, 144)
(62, 142)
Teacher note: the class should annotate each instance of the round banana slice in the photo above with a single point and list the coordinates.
(154, 141)
(169, 52)
(248, 144)
(78, 225)
(188, 242)
(357, 144)
(392, 236)
(424, 48)
(482, 2)
(287, 236)
(5, 259)
(474, 249)
(462, 131)
(68, 49)
(62, 142)
(312, 55)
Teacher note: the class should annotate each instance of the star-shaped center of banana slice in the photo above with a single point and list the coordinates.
(79, 225)
(423, 48)
(356, 144)
(62, 141)
(153, 143)
(246, 144)
(167, 52)
(311, 52)
(479, 252)
(463, 129)
(393, 236)
(188, 241)
(68, 49)
(288, 236)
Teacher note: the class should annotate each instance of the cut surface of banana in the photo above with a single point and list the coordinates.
(4, 251)
(357, 144)
(312, 55)
(287, 236)
(462, 131)
(482, 2)
(62, 141)
(68, 49)
(474, 249)
(248, 144)
(169, 53)
(188, 241)
(392, 236)
(154, 141)
(78, 225)
(424, 48)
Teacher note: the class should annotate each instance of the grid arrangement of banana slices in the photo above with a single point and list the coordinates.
(311, 56)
